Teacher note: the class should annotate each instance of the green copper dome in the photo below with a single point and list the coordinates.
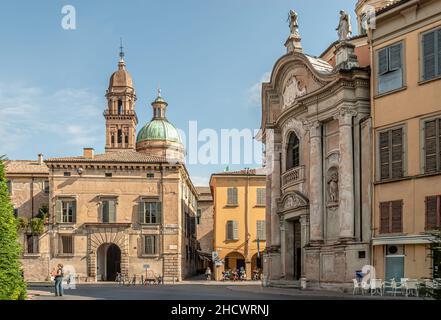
(158, 129)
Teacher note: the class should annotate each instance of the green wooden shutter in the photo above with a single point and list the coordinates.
(383, 63)
(260, 229)
(429, 60)
(59, 210)
(141, 211)
(395, 57)
(430, 146)
(159, 212)
(234, 195)
(112, 211)
(229, 196)
(438, 43)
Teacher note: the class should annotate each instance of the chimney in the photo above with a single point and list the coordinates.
(88, 153)
(40, 158)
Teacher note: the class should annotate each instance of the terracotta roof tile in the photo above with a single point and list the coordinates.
(256, 172)
(114, 156)
(25, 166)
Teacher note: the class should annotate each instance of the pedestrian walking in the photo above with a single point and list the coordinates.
(208, 273)
(59, 280)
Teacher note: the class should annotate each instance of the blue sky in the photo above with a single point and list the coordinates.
(208, 56)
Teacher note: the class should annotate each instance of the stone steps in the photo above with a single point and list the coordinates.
(285, 284)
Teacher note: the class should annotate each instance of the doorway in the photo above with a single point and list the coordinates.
(297, 254)
(109, 262)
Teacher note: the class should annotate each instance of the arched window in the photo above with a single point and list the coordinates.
(293, 152)
(120, 106)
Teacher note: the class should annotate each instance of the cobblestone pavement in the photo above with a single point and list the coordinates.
(191, 291)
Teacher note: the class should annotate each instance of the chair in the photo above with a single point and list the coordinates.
(392, 285)
(365, 287)
(411, 287)
(376, 287)
(357, 286)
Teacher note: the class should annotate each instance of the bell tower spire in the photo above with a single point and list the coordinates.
(120, 115)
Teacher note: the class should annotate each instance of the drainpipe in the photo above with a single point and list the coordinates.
(373, 153)
(162, 219)
(247, 238)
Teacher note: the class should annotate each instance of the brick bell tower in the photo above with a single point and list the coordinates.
(120, 115)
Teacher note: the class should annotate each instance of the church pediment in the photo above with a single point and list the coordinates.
(293, 201)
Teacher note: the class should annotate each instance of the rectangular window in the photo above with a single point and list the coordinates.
(431, 52)
(232, 196)
(433, 212)
(150, 212)
(67, 174)
(391, 217)
(120, 136)
(261, 234)
(32, 244)
(391, 154)
(261, 197)
(66, 244)
(150, 175)
(198, 216)
(108, 174)
(432, 146)
(9, 185)
(108, 211)
(150, 244)
(232, 230)
(46, 186)
(390, 68)
(66, 211)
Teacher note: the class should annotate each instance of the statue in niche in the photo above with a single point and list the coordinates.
(333, 187)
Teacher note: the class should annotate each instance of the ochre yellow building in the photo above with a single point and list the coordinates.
(406, 113)
(239, 220)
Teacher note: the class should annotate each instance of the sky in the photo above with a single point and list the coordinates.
(208, 56)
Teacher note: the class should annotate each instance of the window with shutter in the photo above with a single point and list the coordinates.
(397, 153)
(397, 217)
(429, 57)
(432, 145)
(66, 244)
(260, 197)
(384, 155)
(391, 217)
(433, 212)
(32, 244)
(391, 154)
(66, 211)
(384, 217)
(235, 231)
(390, 68)
(261, 230)
(232, 196)
(229, 230)
(150, 244)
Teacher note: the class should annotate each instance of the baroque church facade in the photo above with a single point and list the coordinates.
(129, 211)
(316, 131)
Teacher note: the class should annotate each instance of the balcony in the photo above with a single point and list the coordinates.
(293, 177)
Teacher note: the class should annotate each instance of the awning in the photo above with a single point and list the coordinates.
(204, 255)
(418, 239)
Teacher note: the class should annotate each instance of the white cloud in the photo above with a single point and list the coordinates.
(200, 181)
(254, 93)
(30, 116)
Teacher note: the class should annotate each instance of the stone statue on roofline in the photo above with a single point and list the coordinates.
(293, 23)
(344, 29)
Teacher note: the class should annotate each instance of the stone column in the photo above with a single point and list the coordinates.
(304, 229)
(315, 186)
(283, 247)
(346, 175)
